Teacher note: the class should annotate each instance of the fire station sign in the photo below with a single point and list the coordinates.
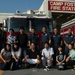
(61, 6)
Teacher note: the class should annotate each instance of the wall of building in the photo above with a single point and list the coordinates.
(44, 7)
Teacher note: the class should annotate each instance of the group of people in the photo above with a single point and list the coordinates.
(32, 50)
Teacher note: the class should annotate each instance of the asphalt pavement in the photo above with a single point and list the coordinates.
(34, 71)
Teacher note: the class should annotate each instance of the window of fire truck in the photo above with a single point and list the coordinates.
(37, 24)
(17, 23)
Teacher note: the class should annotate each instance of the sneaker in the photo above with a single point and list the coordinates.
(45, 69)
(60, 67)
(19, 66)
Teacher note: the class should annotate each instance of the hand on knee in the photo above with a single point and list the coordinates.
(23, 60)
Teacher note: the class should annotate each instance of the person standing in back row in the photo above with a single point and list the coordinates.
(33, 37)
(68, 39)
(56, 41)
(45, 37)
(11, 38)
(22, 39)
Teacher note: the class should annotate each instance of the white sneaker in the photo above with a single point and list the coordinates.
(45, 69)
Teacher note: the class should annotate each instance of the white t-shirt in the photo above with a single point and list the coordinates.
(48, 52)
(16, 53)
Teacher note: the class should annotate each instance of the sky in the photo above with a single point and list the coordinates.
(10, 6)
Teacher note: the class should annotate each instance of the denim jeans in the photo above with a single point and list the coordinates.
(23, 53)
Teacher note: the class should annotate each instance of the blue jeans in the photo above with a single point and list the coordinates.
(2, 65)
(15, 64)
(23, 53)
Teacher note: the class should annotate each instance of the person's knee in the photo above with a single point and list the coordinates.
(43, 59)
(38, 61)
(48, 61)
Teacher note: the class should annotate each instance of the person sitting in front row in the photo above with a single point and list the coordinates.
(5, 56)
(33, 56)
(47, 58)
(16, 57)
(60, 59)
(70, 60)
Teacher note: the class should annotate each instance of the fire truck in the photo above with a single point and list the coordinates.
(66, 26)
(27, 21)
(36, 22)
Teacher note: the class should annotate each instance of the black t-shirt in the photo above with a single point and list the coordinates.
(32, 55)
(22, 40)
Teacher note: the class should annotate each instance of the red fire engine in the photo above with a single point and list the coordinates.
(28, 22)
(37, 22)
(66, 26)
